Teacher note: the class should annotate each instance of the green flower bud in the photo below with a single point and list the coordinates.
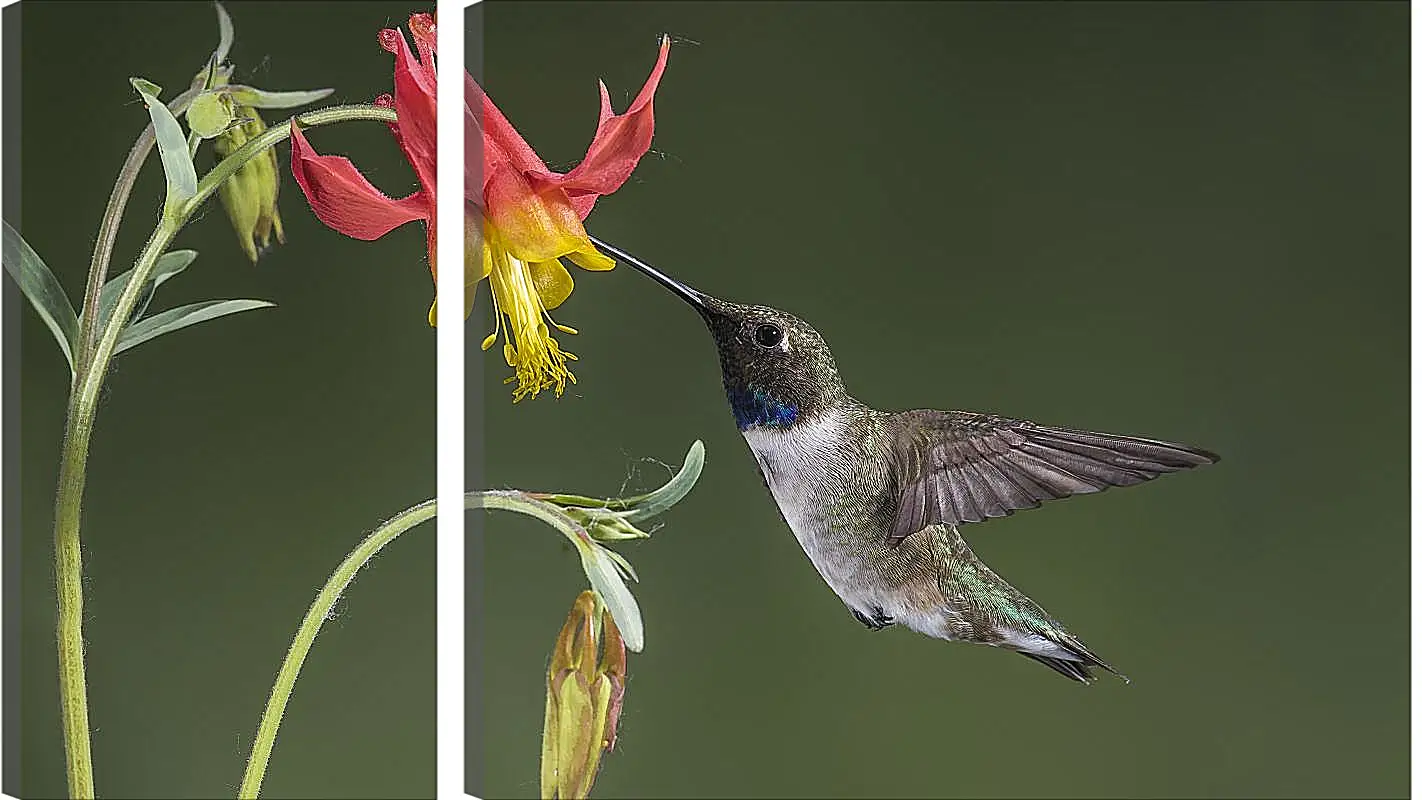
(604, 525)
(210, 114)
(250, 195)
(584, 700)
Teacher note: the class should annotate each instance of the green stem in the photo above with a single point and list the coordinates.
(68, 565)
(68, 570)
(79, 426)
(320, 609)
(306, 634)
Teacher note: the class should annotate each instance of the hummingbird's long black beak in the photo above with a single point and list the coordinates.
(697, 300)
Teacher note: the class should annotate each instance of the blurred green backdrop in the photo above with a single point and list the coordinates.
(1187, 221)
(235, 463)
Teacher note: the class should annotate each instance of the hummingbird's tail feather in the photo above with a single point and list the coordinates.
(1046, 642)
(992, 611)
(1075, 670)
(1076, 648)
(1078, 666)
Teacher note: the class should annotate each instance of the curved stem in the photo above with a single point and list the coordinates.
(320, 609)
(109, 226)
(524, 503)
(306, 634)
(79, 426)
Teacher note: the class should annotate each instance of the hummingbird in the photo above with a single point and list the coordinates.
(876, 498)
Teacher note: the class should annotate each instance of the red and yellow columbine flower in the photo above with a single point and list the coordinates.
(339, 195)
(523, 219)
(531, 219)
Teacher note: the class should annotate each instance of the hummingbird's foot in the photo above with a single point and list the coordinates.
(875, 622)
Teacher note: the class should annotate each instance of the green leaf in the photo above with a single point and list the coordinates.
(212, 76)
(172, 145)
(168, 265)
(642, 506)
(260, 98)
(607, 582)
(43, 290)
(623, 565)
(176, 318)
(225, 34)
(650, 505)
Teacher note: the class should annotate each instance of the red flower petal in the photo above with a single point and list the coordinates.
(422, 27)
(620, 142)
(415, 98)
(474, 166)
(502, 145)
(343, 199)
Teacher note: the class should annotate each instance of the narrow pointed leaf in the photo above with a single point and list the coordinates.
(225, 34)
(43, 290)
(169, 265)
(650, 505)
(643, 506)
(208, 77)
(182, 317)
(259, 98)
(214, 76)
(623, 565)
(172, 145)
(581, 501)
(604, 579)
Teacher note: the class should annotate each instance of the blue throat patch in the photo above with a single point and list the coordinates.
(753, 407)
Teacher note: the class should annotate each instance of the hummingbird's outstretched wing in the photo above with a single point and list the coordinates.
(952, 467)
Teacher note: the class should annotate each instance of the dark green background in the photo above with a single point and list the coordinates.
(1187, 221)
(234, 463)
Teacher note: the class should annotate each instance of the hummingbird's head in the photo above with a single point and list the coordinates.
(775, 367)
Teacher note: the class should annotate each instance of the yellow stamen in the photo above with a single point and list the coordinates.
(529, 348)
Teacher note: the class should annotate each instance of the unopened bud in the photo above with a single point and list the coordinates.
(250, 195)
(604, 525)
(585, 688)
(210, 114)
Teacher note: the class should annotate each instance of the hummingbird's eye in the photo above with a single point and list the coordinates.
(768, 335)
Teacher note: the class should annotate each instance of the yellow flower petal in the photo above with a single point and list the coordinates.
(471, 293)
(477, 229)
(552, 281)
(590, 258)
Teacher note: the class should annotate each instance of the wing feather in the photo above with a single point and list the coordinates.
(953, 467)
